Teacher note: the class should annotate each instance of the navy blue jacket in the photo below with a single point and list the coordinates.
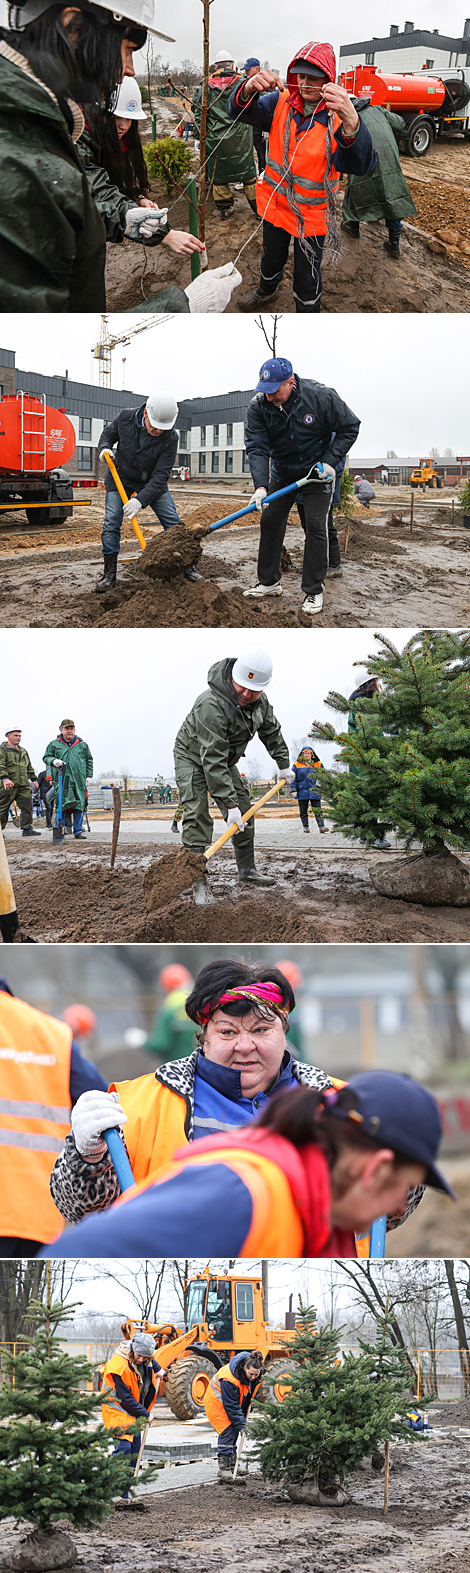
(84, 1077)
(359, 158)
(235, 1411)
(306, 785)
(138, 1409)
(313, 424)
(143, 462)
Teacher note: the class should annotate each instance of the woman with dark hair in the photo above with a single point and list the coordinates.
(367, 690)
(313, 1168)
(111, 153)
(241, 1057)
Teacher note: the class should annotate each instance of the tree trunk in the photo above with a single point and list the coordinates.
(201, 206)
(464, 1351)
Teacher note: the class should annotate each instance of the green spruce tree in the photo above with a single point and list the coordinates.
(337, 1411)
(404, 762)
(53, 1466)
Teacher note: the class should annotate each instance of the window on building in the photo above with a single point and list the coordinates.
(84, 458)
(183, 439)
(182, 458)
(245, 464)
(84, 428)
(215, 463)
(229, 463)
(216, 434)
(370, 60)
(202, 463)
(203, 436)
(229, 431)
(429, 65)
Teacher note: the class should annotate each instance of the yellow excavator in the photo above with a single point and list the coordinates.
(426, 475)
(221, 1315)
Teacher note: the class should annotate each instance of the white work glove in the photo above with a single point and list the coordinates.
(213, 290)
(144, 223)
(319, 472)
(109, 452)
(95, 1112)
(58, 764)
(234, 818)
(131, 508)
(287, 775)
(259, 497)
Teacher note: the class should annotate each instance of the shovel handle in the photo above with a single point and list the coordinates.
(141, 1449)
(232, 830)
(119, 1157)
(123, 495)
(9, 921)
(251, 508)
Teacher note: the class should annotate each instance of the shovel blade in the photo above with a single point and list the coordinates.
(202, 895)
(57, 833)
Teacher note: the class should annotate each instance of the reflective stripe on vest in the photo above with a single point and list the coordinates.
(35, 1109)
(111, 1410)
(307, 159)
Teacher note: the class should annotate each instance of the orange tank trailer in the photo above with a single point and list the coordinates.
(418, 92)
(34, 438)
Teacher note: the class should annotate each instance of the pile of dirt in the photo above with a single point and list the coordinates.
(435, 880)
(457, 1414)
(369, 540)
(173, 873)
(169, 553)
(442, 207)
(178, 604)
(229, 922)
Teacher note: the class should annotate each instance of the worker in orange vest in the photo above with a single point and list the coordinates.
(134, 1377)
(227, 1401)
(311, 1170)
(42, 1074)
(315, 133)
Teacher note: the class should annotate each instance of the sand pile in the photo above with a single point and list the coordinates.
(173, 873)
(175, 603)
(168, 554)
(457, 1414)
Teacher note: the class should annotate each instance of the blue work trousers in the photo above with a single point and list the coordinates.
(163, 507)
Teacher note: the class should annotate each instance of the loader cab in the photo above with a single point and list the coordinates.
(230, 1307)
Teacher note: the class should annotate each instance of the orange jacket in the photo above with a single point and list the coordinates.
(213, 1405)
(155, 1124)
(35, 1108)
(112, 1412)
(307, 159)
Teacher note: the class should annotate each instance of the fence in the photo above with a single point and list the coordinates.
(96, 1352)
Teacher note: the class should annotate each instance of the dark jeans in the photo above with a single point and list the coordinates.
(307, 282)
(316, 506)
(393, 226)
(303, 811)
(163, 507)
(260, 147)
(334, 554)
(227, 1441)
(130, 1450)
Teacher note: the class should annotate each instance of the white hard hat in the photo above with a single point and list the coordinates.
(129, 101)
(162, 410)
(142, 12)
(223, 56)
(253, 669)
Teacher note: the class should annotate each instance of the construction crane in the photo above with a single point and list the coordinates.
(107, 342)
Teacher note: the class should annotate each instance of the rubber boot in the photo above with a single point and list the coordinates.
(352, 228)
(225, 212)
(31, 832)
(250, 876)
(191, 574)
(174, 827)
(108, 580)
(226, 1463)
(393, 248)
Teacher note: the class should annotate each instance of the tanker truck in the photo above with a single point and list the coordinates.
(430, 105)
(35, 442)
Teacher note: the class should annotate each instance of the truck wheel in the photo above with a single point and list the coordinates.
(420, 138)
(187, 1384)
(277, 1380)
(39, 516)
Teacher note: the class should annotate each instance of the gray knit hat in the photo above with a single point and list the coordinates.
(143, 1344)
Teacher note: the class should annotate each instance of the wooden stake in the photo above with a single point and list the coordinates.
(412, 512)
(201, 209)
(116, 822)
(386, 1477)
(346, 540)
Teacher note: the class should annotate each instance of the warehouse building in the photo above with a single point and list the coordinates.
(410, 50)
(396, 472)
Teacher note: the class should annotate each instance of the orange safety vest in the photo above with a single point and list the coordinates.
(155, 1123)
(213, 1405)
(112, 1412)
(35, 1107)
(307, 159)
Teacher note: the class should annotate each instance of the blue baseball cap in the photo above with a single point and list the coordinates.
(250, 62)
(272, 374)
(401, 1114)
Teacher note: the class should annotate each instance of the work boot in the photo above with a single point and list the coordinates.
(225, 212)
(190, 573)
(226, 1463)
(306, 830)
(324, 830)
(259, 590)
(256, 301)
(250, 876)
(175, 827)
(313, 604)
(108, 580)
(393, 248)
(351, 228)
(383, 845)
(80, 836)
(31, 832)
(335, 572)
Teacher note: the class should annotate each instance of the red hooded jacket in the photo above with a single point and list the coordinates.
(321, 55)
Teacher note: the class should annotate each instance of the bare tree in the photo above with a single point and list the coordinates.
(201, 206)
(141, 1284)
(24, 1280)
(270, 334)
(373, 1283)
(464, 1351)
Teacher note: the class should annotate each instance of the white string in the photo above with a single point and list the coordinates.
(202, 167)
(273, 193)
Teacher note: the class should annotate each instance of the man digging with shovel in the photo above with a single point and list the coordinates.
(146, 446)
(213, 737)
(227, 1402)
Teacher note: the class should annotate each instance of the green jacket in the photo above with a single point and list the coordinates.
(110, 201)
(172, 1034)
(78, 765)
(16, 765)
(52, 239)
(217, 731)
(233, 160)
(384, 194)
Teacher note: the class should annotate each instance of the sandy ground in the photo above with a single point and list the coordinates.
(256, 1529)
(70, 894)
(366, 278)
(390, 576)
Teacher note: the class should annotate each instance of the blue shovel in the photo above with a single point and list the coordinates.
(273, 496)
(118, 1155)
(58, 831)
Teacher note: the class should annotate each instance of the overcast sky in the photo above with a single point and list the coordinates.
(312, 1280)
(271, 32)
(391, 370)
(129, 690)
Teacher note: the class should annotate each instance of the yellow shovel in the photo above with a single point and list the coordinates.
(201, 895)
(9, 920)
(117, 482)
